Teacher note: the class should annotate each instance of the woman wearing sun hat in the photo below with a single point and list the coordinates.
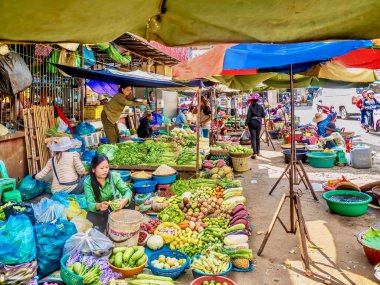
(253, 122)
(65, 166)
(322, 120)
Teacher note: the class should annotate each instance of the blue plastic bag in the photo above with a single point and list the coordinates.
(17, 241)
(50, 240)
(65, 199)
(157, 119)
(84, 129)
(79, 138)
(88, 155)
(31, 188)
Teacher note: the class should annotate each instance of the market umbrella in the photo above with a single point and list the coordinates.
(361, 58)
(183, 22)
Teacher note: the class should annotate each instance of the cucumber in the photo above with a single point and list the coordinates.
(112, 259)
(119, 249)
(119, 259)
(131, 262)
(138, 254)
(141, 260)
(127, 254)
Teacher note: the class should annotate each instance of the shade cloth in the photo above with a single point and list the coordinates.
(336, 71)
(243, 59)
(183, 22)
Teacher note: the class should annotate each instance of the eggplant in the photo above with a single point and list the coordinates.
(239, 232)
(238, 208)
(241, 212)
(240, 221)
(237, 217)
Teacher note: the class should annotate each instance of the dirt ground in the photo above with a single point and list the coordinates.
(336, 256)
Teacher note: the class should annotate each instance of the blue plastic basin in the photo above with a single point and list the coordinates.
(146, 186)
(125, 175)
(165, 179)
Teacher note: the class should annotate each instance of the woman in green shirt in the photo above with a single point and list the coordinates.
(101, 187)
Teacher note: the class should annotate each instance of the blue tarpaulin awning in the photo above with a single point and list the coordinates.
(107, 76)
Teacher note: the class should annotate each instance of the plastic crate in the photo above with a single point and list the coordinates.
(92, 112)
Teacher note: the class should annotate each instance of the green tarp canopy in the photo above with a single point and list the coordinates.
(279, 81)
(188, 22)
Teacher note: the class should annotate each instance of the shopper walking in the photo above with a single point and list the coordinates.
(360, 105)
(205, 117)
(253, 121)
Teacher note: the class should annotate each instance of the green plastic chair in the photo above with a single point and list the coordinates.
(6, 183)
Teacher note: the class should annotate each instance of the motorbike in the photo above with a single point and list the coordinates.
(375, 124)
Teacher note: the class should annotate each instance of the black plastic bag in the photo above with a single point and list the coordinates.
(15, 75)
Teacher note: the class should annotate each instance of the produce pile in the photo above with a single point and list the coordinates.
(217, 169)
(239, 150)
(128, 257)
(182, 137)
(206, 219)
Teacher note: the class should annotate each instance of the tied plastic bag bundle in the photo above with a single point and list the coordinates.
(14, 209)
(65, 199)
(28, 188)
(14, 73)
(82, 224)
(18, 274)
(74, 210)
(17, 244)
(50, 240)
(92, 242)
(48, 210)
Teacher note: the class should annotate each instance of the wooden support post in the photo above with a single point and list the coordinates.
(198, 94)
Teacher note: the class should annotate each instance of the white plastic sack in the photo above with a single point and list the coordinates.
(92, 242)
(48, 210)
(81, 224)
(245, 136)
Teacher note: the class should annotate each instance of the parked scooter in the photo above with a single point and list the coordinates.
(375, 124)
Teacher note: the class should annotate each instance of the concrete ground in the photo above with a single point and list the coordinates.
(336, 256)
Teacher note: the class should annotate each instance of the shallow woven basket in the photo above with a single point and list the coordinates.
(219, 152)
(245, 142)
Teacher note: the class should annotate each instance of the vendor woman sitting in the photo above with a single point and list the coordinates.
(100, 188)
(333, 138)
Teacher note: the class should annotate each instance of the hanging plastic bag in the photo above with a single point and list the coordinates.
(17, 241)
(65, 199)
(48, 210)
(245, 136)
(18, 274)
(81, 224)
(84, 128)
(74, 210)
(50, 240)
(14, 73)
(92, 242)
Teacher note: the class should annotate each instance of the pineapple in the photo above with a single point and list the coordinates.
(241, 263)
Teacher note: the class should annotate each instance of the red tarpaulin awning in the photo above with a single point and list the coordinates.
(361, 58)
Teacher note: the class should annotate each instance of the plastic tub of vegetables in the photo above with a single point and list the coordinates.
(165, 174)
(168, 263)
(211, 264)
(141, 176)
(144, 187)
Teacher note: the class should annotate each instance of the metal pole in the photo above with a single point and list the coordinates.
(293, 153)
(82, 87)
(198, 94)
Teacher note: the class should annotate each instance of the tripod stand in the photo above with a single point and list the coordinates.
(297, 222)
(266, 133)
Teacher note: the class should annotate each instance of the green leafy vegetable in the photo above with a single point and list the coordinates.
(372, 238)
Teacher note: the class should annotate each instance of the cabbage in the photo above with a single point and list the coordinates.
(155, 242)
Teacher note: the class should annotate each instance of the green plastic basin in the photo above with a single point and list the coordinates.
(321, 159)
(347, 208)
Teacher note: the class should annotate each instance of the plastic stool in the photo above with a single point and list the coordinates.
(12, 196)
(163, 187)
(6, 183)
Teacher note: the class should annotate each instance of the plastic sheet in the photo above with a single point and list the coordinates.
(50, 240)
(92, 242)
(17, 241)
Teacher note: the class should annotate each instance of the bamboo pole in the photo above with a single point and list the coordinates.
(198, 94)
